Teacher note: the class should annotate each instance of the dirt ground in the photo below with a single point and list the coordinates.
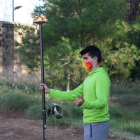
(15, 126)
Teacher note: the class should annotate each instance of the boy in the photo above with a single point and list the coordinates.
(92, 95)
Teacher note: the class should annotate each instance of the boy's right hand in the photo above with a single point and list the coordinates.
(47, 90)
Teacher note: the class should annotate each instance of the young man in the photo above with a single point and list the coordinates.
(92, 95)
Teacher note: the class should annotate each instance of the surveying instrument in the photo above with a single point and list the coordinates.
(54, 109)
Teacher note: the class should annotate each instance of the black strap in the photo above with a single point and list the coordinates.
(90, 130)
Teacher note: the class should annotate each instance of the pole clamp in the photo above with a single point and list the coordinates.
(43, 112)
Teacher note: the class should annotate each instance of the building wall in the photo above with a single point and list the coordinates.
(11, 67)
(6, 49)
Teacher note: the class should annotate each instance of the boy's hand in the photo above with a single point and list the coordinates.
(47, 90)
(80, 101)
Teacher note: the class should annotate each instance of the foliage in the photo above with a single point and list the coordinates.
(132, 127)
(30, 46)
(121, 119)
(124, 54)
(134, 10)
(17, 102)
(72, 25)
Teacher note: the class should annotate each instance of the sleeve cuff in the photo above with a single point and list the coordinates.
(83, 105)
(51, 92)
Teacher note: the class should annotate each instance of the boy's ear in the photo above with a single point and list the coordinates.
(96, 58)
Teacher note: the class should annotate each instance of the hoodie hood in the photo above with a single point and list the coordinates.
(101, 69)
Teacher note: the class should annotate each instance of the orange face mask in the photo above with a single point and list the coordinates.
(87, 65)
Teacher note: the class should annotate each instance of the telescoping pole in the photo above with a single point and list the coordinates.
(42, 79)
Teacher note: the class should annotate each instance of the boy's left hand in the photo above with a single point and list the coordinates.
(80, 101)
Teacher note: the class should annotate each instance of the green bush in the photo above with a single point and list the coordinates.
(71, 110)
(132, 126)
(117, 112)
(125, 87)
(34, 112)
(18, 102)
(121, 118)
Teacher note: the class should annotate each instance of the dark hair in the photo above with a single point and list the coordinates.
(92, 52)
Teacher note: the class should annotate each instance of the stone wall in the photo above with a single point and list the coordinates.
(6, 49)
(11, 67)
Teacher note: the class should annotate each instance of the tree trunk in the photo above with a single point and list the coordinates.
(68, 83)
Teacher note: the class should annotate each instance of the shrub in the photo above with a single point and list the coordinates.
(132, 126)
(18, 102)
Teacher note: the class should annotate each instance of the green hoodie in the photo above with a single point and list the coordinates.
(95, 89)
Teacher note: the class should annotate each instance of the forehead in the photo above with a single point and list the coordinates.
(86, 55)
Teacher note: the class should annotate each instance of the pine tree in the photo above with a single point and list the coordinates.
(122, 60)
(72, 25)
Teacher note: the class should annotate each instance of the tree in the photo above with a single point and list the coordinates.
(133, 11)
(72, 25)
(122, 61)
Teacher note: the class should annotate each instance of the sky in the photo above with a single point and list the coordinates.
(22, 15)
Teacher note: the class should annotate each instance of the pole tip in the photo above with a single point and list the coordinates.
(40, 21)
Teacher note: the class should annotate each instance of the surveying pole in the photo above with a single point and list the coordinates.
(40, 22)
